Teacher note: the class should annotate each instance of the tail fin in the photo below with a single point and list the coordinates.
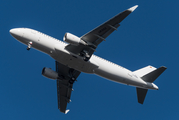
(141, 93)
(148, 74)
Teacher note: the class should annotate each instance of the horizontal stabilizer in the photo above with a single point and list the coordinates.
(143, 71)
(152, 76)
(141, 93)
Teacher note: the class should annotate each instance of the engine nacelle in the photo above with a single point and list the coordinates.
(72, 39)
(49, 73)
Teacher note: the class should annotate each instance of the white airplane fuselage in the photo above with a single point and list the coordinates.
(96, 65)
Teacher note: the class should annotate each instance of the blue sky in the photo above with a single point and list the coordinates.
(148, 36)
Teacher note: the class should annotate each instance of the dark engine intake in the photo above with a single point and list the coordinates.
(72, 39)
(49, 73)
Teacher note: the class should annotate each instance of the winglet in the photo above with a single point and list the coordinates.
(67, 111)
(133, 8)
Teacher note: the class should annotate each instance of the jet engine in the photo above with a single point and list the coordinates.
(72, 39)
(49, 73)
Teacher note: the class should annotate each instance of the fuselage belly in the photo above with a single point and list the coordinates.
(96, 65)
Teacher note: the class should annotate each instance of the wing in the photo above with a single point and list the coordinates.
(99, 34)
(64, 85)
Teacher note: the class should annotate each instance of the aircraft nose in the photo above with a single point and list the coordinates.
(16, 32)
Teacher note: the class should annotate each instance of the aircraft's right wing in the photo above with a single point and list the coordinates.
(64, 85)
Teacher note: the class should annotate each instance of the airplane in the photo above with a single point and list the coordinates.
(75, 55)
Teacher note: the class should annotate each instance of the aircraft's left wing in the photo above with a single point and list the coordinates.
(64, 85)
(99, 34)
